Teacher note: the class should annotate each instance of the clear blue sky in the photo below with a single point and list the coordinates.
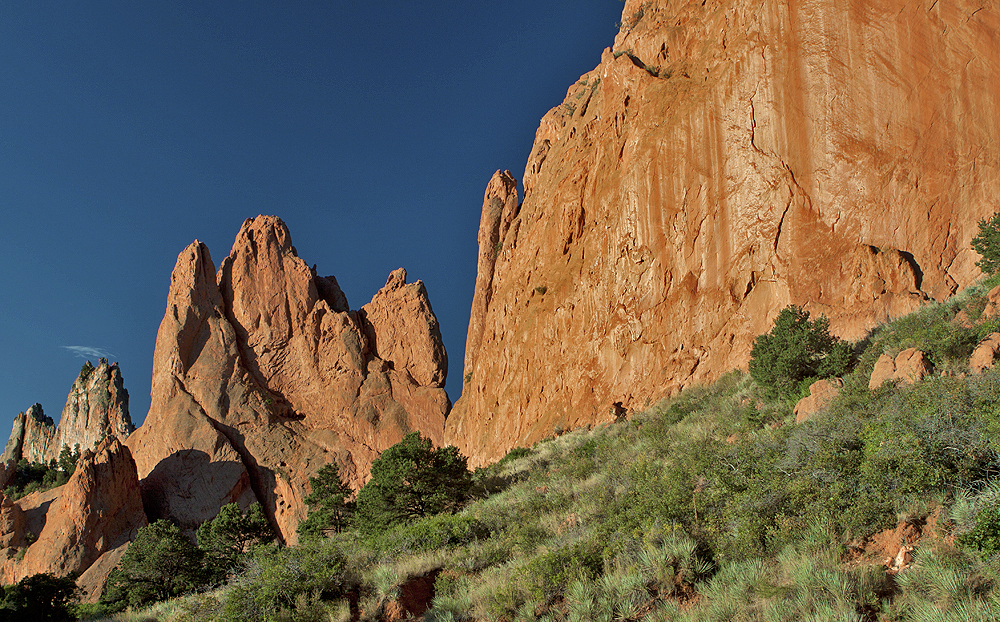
(128, 129)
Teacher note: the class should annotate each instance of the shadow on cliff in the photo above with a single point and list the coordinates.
(188, 483)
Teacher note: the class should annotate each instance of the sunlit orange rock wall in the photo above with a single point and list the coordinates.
(262, 375)
(726, 159)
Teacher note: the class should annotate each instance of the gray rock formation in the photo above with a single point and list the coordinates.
(96, 408)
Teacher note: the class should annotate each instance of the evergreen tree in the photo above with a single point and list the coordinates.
(329, 508)
(796, 352)
(40, 597)
(228, 537)
(411, 480)
(987, 244)
(161, 563)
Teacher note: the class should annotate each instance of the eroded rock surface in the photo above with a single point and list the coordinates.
(31, 437)
(96, 408)
(985, 355)
(724, 160)
(97, 511)
(262, 375)
(909, 367)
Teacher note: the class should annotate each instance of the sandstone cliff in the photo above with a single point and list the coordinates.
(96, 408)
(262, 375)
(96, 514)
(726, 159)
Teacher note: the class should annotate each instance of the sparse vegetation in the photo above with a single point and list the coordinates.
(34, 477)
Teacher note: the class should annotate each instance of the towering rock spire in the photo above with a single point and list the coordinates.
(262, 375)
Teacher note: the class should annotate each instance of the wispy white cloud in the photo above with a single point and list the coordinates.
(87, 352)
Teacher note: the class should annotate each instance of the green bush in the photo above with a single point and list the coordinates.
(41, 597)
(412, 480)
(277, 582)
(796, 352)
(442, 531)
(160, 563)
(226, 539)
(985, 536)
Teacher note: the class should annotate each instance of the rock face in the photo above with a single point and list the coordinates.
(31, 437)
(262, 375)
(98, 511)
(96, 408)
(724, 160)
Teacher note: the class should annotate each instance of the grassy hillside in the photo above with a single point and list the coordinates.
(713, 505)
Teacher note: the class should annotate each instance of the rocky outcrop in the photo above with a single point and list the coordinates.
(985, 355)
(821, 393)
(98, 511)
(262, 375)
(96, 408)
(909, 367)
(724, 160)
(32, 436)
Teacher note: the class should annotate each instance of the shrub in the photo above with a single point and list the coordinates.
(228, 537)
(39, 597)
(985, 536)
(161, 563)
(795, 352)
(275, 581)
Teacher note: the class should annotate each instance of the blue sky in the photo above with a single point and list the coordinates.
(129, 129)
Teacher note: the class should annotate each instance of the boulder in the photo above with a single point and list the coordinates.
(909, 367)
(992, 309)
(985, 354)
(821, 393)
(912, 366)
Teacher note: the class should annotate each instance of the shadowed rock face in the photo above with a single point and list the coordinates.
(98, 512)
(31, 437)
(724, 160)
(96, 408)
(262, 375)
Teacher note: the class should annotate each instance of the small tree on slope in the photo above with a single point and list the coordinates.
(796, 352)
(411, 480)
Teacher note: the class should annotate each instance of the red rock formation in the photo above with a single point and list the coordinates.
(725, 160)
(985, 354)
(96, 408)
(909, 367)
(262, 375)
(821, 393)
(98, 511)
